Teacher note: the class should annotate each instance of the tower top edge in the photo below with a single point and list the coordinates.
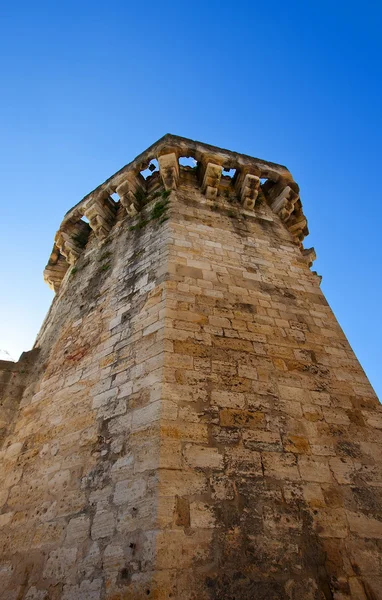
(214, 171)
(183, 146)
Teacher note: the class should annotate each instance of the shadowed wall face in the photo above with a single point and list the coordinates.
(270, 432)
(195, 424)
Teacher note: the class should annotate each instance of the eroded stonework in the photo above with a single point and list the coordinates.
(192, 422)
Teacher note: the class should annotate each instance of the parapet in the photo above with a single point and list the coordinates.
(218, 173)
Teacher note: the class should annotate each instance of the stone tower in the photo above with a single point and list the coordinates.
(192, 422)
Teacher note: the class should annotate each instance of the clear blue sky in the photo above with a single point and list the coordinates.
(86, 86)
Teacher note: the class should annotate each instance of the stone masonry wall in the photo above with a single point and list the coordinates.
(192, 423)
(13, 380)
(78, 466)
(271, 435)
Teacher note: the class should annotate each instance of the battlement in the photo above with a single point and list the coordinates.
(220, 174)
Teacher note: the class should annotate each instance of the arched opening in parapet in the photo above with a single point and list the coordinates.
(188, 161)
(115, 197)
(266, 185)
(227, 172)
(80, 231)
(152, 168)
(226, 186)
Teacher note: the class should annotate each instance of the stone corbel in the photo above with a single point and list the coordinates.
(71, 239)
(100, 210)
(299, 228)
(129, 191)
(211, 180)
(248, 188)
(297, 223)
(169, 170)
(55, 270)
(309, 255)
(282, 199)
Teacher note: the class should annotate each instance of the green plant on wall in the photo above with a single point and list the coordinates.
(158, 212)
(104, 267)
(105, 255)
(141, 197)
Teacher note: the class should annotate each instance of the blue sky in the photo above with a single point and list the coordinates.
(86, 86)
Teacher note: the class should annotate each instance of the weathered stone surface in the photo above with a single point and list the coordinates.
(193, 423)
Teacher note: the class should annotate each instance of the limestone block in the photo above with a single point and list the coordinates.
(34, 594)
(185, 431)
(59, 563)
(313, 495)
(221, 487)
(257, 439)
(103, 398)
(228, 399)
(202, 457)
(113, 557)
(129, 491)
(280, 465)
(86, 590)
(77, 530)
(201, 515)
(278, 521)
(176, 549)
(297, 444)
(146, 455)
(103, 525)
(343, 469)
(243, 461)
(314, 469)
(181, 483)
(364, 526)
(170, 454)
(142, 515)
(5, 519)
(331, 523)
(241, 418)
(123, 467)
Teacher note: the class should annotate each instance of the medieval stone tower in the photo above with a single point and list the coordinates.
(192, 422)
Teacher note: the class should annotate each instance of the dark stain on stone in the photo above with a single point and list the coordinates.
(236, 586)
(262, 544)
(356, 417)
(345, 448)
(368, 501)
